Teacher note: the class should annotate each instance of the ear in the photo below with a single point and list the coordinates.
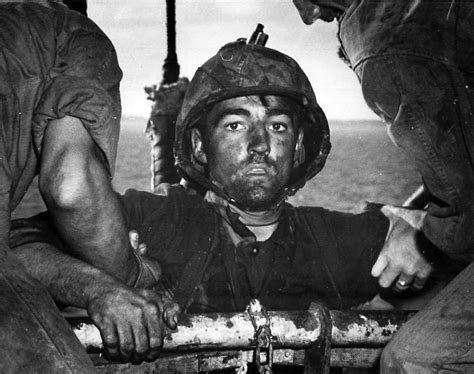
(299, 155)
(198, 146)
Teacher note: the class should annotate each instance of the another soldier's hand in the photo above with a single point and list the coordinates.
(400, 263)
(150, 268)
(130, 322)
(152, 279)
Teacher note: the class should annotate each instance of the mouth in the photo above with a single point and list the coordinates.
(259, 170)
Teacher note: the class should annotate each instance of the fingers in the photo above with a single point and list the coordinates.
(415, 282)
(401, 277)
(388, 276)
(135, 243)
(110, 341)
(144, 339)
(142, 249)
(133, 237)
(403, 283)
(400, 259)
(171, 312)
(126, 342)
(141, 340)
(421, 278)
(131, 324)
(155, 332)
(379, 266)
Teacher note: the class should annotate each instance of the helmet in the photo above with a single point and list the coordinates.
(241, 69)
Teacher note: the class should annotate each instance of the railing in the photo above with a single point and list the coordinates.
(316, 339)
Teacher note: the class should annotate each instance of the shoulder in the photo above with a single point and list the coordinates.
(169, 202)
(342, 222)
(335, 215)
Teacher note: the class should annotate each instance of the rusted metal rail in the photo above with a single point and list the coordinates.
(356, 338)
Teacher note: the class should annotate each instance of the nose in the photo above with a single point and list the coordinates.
(259, 142)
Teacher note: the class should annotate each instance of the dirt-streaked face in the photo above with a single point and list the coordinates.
(312, 10)
(250, 149)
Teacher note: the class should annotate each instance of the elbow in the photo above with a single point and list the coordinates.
(64, 190)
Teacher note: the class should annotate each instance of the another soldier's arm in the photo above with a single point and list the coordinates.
(129, 319)
(78, 192)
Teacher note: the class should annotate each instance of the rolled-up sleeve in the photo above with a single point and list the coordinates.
(83, 83)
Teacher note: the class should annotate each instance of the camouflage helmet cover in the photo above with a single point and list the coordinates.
(241, 69)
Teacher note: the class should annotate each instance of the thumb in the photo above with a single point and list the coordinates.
(133, 237)
(142, 249)
(171, 312)
(379, 266)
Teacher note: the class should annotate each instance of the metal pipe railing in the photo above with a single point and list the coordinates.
(291, 329)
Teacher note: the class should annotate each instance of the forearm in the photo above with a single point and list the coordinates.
(77, 190)
(69, 281)
(95, 229)
(129, 320)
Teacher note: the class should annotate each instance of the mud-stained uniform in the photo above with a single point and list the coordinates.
(314, 254)
(415, 63)
(53, 62)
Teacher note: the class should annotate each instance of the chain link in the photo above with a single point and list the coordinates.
(262, 338)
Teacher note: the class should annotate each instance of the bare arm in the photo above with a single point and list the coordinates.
(130, 321)
(77, 190)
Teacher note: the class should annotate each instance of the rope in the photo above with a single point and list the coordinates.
(171, 66)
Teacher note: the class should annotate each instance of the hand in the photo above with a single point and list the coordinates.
(400, 259)
(171, 309)
(130, 322)
(151, 269)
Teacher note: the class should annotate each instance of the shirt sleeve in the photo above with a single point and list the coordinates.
(82, 83)
(33, 230)
(359, 238)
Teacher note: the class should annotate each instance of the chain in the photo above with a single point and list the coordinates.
(262, 338)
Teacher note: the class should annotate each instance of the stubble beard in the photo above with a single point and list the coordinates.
(255, 194)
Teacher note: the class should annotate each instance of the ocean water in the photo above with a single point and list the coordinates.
(363, 165)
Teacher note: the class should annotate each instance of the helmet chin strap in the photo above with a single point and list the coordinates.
(247, 217)
(283, 195)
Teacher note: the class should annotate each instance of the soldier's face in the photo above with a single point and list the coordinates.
(250, 149)
(312, 10)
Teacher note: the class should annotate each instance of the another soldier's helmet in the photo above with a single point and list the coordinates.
(241, 69)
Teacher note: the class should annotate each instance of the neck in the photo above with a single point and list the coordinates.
(256, 219)
(262, 224)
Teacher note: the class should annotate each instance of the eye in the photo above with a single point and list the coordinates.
(234, 126)
(278, 126)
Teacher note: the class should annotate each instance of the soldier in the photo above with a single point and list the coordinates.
(415, 63)
(59, 117)
(251, 133)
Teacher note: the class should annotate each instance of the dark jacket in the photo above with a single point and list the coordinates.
(437, 30)
(314, 255)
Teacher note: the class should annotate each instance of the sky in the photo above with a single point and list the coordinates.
(137, 29)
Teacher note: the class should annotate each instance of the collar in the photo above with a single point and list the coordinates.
(260, 225)
(263, 218)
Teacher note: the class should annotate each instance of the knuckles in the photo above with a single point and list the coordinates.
(128, 310)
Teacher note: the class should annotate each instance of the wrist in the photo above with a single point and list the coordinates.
(414, 217)
(101, 286)
(148, 272)
(140, 268)
(428, 250)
